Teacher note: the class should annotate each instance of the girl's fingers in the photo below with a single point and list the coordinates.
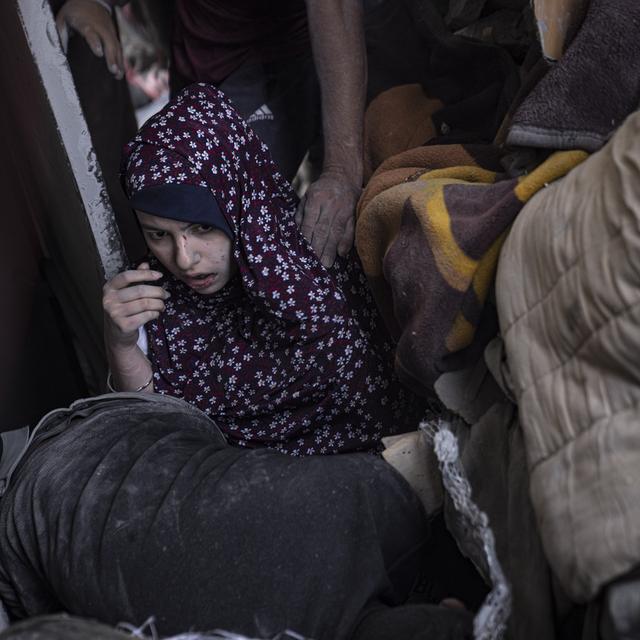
(141, 291)
(132, 276)
(130, 302)
(147, 316)
(135, 307)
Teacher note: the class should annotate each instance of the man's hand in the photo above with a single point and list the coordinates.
(326, 216)
(93, 22)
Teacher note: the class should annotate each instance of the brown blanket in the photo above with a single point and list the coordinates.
(429, 231)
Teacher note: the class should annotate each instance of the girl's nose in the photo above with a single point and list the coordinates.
(186, 255)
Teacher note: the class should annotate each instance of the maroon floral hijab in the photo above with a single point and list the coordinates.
(287, 354)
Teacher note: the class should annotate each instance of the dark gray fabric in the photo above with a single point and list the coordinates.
(133, 505)
(416, 622)
(620, 608)
(12, 446)
(289, 90)
(494, 458)
(587, 95)
(61, 627)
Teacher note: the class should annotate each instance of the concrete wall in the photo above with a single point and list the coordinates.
(59, 234)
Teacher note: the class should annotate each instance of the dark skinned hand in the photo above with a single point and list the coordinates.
(93, 22)
(326, 216)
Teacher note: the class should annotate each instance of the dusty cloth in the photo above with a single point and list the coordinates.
(467, 86)
(462, 13)
(416, 622)
(507, 23)
(476, 82)
(512, 30)
(287, 354)
(430, 248)
(62, 627)
(568, 295)
(396, 120)
(430, 622)
(493, 456)
(469, 393)
(587, 95)
(128, 506)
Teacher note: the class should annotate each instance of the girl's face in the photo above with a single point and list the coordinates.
(199, 255)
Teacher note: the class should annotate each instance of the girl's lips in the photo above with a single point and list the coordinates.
(201, 283)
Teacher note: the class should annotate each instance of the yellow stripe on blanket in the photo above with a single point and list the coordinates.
(431, 258)
(483, 277)
(461, 334)
(461, 174)
(454, 265)
(553, 168)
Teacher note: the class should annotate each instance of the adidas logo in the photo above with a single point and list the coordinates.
(261, 113)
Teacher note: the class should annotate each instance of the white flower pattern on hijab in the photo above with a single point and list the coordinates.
(288, 355)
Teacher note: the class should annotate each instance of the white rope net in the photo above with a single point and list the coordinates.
(491, 620)
(148, 631)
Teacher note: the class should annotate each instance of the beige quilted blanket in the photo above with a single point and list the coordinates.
(568, 289)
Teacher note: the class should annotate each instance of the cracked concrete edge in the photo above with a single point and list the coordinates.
(40, 30)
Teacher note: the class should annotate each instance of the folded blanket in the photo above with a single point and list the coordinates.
(592, 89)
(429, 237)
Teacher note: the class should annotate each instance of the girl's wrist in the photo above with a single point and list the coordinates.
(133, 388)
(119, 343)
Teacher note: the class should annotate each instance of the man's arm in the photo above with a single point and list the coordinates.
(326, 213)
(92, 19)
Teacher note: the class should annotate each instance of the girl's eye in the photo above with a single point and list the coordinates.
(156, 235)
(202, 228)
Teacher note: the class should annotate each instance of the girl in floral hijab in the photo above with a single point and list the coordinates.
(241, 318)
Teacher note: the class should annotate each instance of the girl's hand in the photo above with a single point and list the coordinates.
(129, 302)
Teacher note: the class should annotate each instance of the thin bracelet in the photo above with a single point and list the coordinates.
(144, 386)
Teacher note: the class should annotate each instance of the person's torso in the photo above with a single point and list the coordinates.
(213, 38)
(321, 386)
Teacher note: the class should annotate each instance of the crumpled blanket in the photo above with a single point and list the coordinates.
(430, 226)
